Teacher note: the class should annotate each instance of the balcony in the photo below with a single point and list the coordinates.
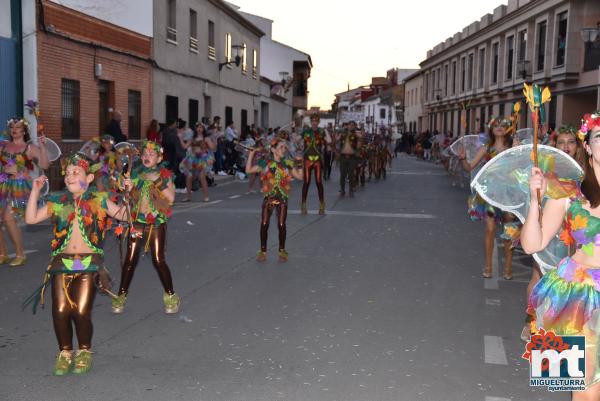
(193, 45)
(171, 35)
(212, 53)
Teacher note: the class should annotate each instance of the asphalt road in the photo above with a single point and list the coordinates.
(382, 299)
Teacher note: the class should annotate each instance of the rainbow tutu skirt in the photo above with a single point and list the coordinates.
(14, 192)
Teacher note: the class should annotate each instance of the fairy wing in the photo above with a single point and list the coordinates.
(504, 183)
(52, 149)
(525, 136)
(469, 145)
(90, 149)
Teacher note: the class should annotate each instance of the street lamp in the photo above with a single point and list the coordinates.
(283, 75)
(591, 39)
(590, 35)
(237, 60)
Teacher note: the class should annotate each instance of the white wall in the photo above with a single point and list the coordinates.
(276, 57)
(5, 23)
(135, 15)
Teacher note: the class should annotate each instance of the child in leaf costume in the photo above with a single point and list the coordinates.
(152, 196)
(276, 174)
(80, 220)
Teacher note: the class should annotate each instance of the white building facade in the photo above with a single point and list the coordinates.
(413, 103)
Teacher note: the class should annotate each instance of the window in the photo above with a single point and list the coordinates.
(134, 115)
(522, 45)
(382, 114)
(481, 67)
(70, 108)
(228, 48)
(254, 64)
(495, 63)
(228, 115)
(446, 80)
(470, 72)
(192, 112)
(172, 108)
(193, 31)
(510, 53)
(172, 21)
(212, 53)
(244, 58)
(561, 39)
(463, 73)
(541, 45)
(454, 77)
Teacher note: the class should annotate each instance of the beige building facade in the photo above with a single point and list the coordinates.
(413, 103)
(482, 69)
(192, 39)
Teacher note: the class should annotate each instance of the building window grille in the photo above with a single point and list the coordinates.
(70, 109)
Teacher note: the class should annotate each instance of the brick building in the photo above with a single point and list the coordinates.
(109, 69)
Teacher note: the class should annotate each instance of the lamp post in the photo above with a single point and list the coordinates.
(236, 60)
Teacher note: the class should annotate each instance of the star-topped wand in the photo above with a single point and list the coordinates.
(536, 97)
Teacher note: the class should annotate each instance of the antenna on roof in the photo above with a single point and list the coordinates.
(348, 86)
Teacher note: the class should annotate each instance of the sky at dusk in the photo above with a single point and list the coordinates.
(349, 42)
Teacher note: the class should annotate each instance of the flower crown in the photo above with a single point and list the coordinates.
(151, 145)
(76, 159)
(504, 122)
(588, 123)
(16, 120)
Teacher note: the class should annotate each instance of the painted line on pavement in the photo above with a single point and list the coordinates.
(492, 302)
(415, 173)
(487, 398)
(235, 196)
(27, 252)
(200, 205)
(494, 350)
(327, 213)
(492, 282)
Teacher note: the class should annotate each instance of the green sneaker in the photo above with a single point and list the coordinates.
(171, 303)
(64, 360)
(118, 303)
(261, 256)
(283, 255)
(83, 361)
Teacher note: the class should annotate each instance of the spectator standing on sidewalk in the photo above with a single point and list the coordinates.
(114, 127)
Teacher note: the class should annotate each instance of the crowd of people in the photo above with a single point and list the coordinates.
(114, 187)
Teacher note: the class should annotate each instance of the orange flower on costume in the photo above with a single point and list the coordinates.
(118, 230)
(566, 238)
(94, 238)
(87, 220)
(579, 222)
(108, 224)
(580, 275)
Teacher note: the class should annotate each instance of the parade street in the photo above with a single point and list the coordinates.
(381, 299)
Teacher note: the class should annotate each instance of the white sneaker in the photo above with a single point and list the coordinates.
(221, 173)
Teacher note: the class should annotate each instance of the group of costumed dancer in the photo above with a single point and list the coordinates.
(106, 183)
(554, 192)
(96, 192)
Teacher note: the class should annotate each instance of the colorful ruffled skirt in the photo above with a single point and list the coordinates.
(479, 209)
(567, 302)
(14, 192)
(194, 164)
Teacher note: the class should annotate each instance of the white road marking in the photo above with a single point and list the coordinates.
(235, 196)
(496, 399)
(494, 350)
(492, 283)
(416, 173)
(492, 302)
(327, 213)
(27, 252)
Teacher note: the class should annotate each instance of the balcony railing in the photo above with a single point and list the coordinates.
(194, 44)
(212, 53)
(172, 34)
